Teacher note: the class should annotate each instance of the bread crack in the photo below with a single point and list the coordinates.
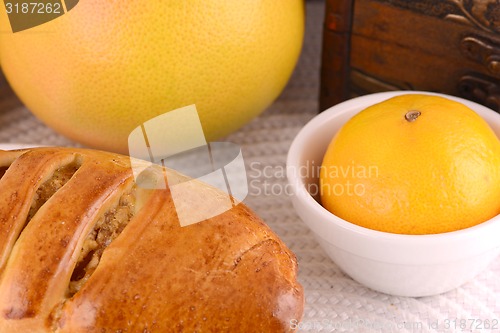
(252, 248)
(2, 171)
(105, 231)
(60, 177)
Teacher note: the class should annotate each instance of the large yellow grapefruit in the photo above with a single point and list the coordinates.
(105, 67)
(413, 164)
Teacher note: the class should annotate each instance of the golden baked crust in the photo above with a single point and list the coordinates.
(83, 249)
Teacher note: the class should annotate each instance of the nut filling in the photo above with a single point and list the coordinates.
(60, 177)
(106, 229)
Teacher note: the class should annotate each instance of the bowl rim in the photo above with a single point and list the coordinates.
(486, 229)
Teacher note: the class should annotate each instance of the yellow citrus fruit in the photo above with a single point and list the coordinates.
(103, 68)
(413, 164)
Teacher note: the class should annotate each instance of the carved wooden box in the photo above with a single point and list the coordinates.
(447, 46)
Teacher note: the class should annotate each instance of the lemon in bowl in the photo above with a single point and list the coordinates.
(413, 164)
(395, 263)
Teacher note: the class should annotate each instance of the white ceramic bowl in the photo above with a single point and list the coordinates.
(404, 265)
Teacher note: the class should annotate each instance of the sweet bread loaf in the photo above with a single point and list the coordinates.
(84, 249)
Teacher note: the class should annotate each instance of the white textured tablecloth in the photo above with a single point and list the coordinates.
(334, 302)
